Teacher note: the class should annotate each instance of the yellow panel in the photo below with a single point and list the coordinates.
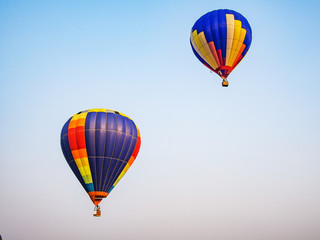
(85, 167)
(196, 48)
(199, 44)
(237, 29)
(98, 110)
(138, 131)
(198, 39)
(75, 117)
(242, 36)
(207, 50)
(236, 36)
(122, 174)
(85, 163)
(239, 55)
(79, 165)
(198, 51)
(124, 115)
(230, 32)
(82, 115)
(87, 179)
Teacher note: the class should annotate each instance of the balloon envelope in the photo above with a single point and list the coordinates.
(100, 145)
(220, 39)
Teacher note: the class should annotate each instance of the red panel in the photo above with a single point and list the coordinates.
(72, 139)
(220, 57)
(80, 137)
(137, 148)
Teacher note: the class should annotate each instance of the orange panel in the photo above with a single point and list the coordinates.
(97, 196)
(238, 57)
(83, 153)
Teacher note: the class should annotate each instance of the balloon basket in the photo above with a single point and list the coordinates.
(225, 83)
(97, 211)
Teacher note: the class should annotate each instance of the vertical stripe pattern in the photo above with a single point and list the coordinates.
(100, 145)
(220, 39)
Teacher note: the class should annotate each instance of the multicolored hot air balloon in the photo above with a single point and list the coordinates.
(100, 145)
(220, 40)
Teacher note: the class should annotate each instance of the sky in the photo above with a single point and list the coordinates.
(236, 163)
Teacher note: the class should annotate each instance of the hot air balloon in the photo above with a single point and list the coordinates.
(99, 145)
(220, 40)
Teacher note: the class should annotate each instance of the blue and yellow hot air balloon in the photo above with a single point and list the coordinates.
(220, 40)
(100, 145)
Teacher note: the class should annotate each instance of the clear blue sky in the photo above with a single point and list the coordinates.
(237, 163)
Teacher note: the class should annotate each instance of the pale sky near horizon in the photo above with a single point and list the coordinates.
(236, 163)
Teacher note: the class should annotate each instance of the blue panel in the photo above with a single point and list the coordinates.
(90, 125)
(128, 148)
(91, 120)
(100, 142)
(116, 167)
(206, 27)
(106, 169)
(237, 16)
(111, 122)
(103, 173)
(100, 138)
(248, 38)
(116, 163)
(127, 140)
(111, 134)
(109, 191)
(121, 128)
(215, 29)
(90, 187)
(198, 26)
(222, 21)
(227, 11)
(65, 142)
(134, 127)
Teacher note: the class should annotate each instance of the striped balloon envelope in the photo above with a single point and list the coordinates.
(100, 145)
(220, 40)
